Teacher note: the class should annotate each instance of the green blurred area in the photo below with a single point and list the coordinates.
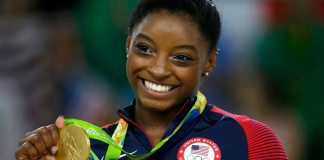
(291, 57)
(103, 28)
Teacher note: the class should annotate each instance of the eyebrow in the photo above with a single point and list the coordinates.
(187, 46)
(183, 46)
(141, 35)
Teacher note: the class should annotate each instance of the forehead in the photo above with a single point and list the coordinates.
(175, 27)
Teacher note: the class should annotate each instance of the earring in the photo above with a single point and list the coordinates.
(127, 56)
(205, 74)
(217, 52)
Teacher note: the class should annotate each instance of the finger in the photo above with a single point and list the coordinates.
(49, 157)
(27, 135)
(54, 134)
(26, 151)
(37, 141)
(21, 141)
(46, 135)
(54, 149)
(60, 122)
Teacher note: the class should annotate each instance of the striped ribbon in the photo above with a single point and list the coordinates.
(116, 141)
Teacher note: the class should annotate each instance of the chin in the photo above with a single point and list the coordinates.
(157, 105)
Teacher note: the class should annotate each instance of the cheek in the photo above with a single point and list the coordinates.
(130, 67)
(128, 72)
(189, 76)
(190, 82)
(134, 65)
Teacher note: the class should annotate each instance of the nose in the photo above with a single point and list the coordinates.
(159, 67)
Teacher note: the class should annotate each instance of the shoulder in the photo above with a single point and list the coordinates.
(263, 143)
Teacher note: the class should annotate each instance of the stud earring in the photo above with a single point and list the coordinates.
(217, 52)
(205, 74)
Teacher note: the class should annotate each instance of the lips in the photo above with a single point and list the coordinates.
(159, 88)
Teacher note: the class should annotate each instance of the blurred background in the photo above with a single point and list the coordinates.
(60, 57)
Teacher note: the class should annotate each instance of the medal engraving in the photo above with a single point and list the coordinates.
(74, 144)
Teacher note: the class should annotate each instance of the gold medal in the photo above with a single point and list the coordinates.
(74, 144)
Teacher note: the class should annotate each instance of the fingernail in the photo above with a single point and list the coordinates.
(54, 150)
(60, 122)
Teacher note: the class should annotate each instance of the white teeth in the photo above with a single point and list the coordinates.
(157, 87)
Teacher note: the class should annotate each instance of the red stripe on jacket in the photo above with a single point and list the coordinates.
(263, 143)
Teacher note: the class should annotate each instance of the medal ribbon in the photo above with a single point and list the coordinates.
(117, 140)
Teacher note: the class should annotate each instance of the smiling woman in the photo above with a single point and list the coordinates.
(167, 56)
(170, 50)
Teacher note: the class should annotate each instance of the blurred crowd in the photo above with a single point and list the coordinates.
(61, 57)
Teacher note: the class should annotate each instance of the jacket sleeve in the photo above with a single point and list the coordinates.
(263, 143)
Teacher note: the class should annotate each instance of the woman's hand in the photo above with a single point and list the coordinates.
(40, 143)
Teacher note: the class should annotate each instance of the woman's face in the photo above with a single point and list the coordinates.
(167, 56)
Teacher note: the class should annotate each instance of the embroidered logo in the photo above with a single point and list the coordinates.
(199, 149)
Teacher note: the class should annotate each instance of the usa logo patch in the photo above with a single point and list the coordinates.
(199, 149)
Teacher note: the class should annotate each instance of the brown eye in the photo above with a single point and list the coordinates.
(183, 58)
(144, 49)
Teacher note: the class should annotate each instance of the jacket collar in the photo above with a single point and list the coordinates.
(127, 114)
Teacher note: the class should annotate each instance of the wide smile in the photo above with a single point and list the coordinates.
(157, 90)
(160, 88)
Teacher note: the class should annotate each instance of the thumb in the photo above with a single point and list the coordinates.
(48, 157)
(60, 122)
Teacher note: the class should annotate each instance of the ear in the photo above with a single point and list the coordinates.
(211, 60)
(128, 43)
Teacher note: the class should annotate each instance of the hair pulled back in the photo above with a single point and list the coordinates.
(202, 12)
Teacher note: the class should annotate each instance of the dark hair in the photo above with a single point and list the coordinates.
(202, 12)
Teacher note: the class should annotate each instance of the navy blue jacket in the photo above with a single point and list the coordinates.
(214, 135)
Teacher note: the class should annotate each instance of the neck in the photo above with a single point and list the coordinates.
(149, 119)
(155, 123)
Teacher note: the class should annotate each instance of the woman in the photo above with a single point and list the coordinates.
(170, 49)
